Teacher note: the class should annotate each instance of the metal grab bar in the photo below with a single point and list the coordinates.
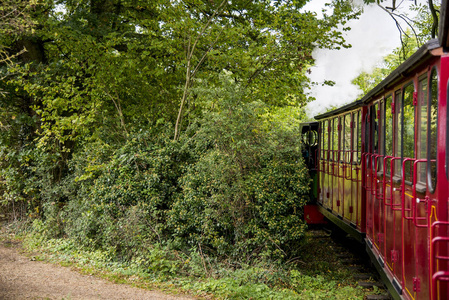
(392, 189)
(362, 158)
(349, 166)
(440, 275)
(415, 199)
(374, 179)
(384, 181)
(403, 191)
(367, 161)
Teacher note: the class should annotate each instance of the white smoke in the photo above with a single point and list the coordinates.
(372, 36)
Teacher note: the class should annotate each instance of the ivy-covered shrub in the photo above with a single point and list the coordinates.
(124, 195)
(244, 196)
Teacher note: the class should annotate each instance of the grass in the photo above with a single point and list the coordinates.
(316, 274)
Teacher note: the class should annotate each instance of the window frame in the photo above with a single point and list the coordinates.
(422, 180)
(388, 98)
(405, 86)
(431, 186)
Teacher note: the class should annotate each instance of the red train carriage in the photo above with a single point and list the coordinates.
(382, 172)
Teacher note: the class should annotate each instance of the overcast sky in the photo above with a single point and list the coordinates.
(372, 36)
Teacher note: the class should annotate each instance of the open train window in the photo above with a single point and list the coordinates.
(381, 147)
(397, 133)
(432, 130)
(347, 138)
(388, 130)
(408, 131)
(367, 148)
(354, 137)
(422, 128)
(335, 142)
(359, 138)
(326, 140)
(375, 133)
(332, 139)
(340, 138)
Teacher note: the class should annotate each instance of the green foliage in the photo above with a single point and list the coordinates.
(199, 274)
(87, 122)
(244, 195)
(124, 193)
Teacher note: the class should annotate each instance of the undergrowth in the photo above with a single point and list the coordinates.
(316, 275)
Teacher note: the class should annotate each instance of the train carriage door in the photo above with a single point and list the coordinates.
(409, 256)
(340, 168)
(326, 163)
(347, 175)
(357, 168)
(395, 182)
(321, 157)
(389, 239)
(335, 165)
(421, 190)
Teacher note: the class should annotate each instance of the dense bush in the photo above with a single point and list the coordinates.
(233, 186)
(244, 195)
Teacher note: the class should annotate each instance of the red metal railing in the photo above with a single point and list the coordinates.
(415, 200)
(404, 210)
(442, 275)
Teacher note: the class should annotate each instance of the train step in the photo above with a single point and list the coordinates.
(377, 297)
(363, 276)
(370, 284)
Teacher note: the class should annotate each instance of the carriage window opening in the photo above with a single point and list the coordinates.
(381, 135)
(397, 132)
(332, 139)
(375, 141)
(432, 129)
(367, 136)
(375, 135)
(354, 137)
(325, 140)
(408, 130)
(335, 142)
(321, 136)
(340, 139)
(388, 131)
(422, 128)
(359, 138)
(347, 138)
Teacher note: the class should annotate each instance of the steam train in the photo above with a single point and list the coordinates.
(381, 171)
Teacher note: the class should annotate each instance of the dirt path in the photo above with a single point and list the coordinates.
(22, 278)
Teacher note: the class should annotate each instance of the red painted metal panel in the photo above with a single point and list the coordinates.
(312, 215)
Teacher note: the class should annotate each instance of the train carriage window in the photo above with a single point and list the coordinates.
(340, 137)
(326, 140)
(347, 138)
(321, 141)
(375, 133)
(359, 138)
(397, 132)
(375, 141)
(367, 136)
(331, 127)
(432, 130)
(422, 128)
(354, 137)
(335, 142)
(381, 135)
(388, 131)
(408, 130)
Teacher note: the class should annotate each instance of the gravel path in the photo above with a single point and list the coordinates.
(23, 278)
